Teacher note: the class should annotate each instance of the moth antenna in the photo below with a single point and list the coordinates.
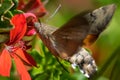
(56, 10)
(62, 65)
(45, 2)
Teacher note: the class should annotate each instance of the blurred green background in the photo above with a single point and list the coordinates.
(107, 51)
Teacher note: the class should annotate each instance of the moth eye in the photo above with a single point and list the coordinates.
(104, 10)
(93, 17)
(91, 14)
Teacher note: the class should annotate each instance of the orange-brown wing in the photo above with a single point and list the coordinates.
(89, 40)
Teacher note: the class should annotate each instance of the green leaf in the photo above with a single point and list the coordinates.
(67, 76)
(4, 38)
(15, 4)
(5, 6)
(102, 78)
(5, 26)
(16, 12)
(4, 78)
(35, 72)
(115, 71)
(56, 75)
(43, 76)
(35, 54)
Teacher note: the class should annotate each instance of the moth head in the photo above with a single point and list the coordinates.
(99, 18)
(37, 25)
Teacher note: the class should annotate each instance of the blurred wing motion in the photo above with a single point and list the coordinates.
(67, 41)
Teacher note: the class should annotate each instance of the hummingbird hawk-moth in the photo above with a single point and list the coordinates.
(67, 41)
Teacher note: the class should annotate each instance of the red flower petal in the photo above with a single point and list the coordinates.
(36, 4)
(18, 32)
(5, 63)
(30, 18)
(25, 57)
(31, 32)
(39, 11)
(24, 75)
(21, 4)
(30, 14)
(36, 7)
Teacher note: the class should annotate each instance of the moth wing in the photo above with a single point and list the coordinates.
(82, 28)
(70, 36)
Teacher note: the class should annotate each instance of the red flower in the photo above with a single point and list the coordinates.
(33, 6)
(31, 18)
(15, 49)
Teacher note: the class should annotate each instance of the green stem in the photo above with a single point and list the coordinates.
(10, 13)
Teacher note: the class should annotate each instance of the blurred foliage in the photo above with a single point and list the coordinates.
(107, 51)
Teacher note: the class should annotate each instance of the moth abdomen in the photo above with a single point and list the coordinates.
(84, 61)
